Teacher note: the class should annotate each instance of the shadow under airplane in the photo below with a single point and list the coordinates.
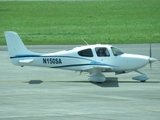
(110, 82)
(35, 82)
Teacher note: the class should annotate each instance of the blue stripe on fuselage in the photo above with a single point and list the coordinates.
(92, 62)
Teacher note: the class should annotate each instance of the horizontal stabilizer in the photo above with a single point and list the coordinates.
(26, 61)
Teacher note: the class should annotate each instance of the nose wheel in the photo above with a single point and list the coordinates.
(143, 77)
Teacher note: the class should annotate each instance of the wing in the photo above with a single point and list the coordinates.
(98, 68)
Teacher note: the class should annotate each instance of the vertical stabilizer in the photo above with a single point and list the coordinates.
(15, 44)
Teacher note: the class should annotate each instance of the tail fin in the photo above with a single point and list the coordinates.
(15, 44)
(17, 49)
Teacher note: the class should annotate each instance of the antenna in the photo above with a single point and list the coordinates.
(84, 41)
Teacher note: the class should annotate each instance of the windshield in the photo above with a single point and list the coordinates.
(116, 51)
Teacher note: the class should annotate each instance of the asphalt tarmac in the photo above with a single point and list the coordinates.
(33, 93)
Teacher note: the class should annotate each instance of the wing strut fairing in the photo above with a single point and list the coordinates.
(96, 74)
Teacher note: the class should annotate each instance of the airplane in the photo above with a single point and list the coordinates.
(94, 59)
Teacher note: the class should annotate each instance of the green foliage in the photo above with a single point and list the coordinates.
(108, 22)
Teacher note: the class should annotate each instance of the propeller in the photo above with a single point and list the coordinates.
(151, 59)
(150, 55)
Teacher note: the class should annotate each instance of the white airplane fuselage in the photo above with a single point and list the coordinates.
(71, 60)
(94, 59)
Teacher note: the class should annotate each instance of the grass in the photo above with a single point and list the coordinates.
(108, 22)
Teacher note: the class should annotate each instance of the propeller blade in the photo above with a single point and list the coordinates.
(151, 60)
(150, 54)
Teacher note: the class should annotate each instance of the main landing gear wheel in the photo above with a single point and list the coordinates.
(143, 80)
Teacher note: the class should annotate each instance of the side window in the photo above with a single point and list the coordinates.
(86, 53)
(102, 52)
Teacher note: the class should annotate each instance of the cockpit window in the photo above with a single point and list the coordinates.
(86, 53)
(116, 51)
(102, 52)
